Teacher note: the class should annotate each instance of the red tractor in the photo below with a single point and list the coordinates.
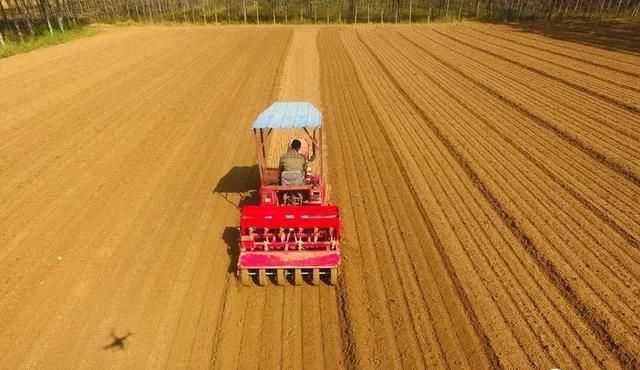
(293, 231)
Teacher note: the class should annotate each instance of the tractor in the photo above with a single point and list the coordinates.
(293, 233)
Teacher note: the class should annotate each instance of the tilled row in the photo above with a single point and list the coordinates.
(628, 59)
(571, 168)
(601, 130)
(598, 58)
(398, 317)
(590, 106)
(67, 144)
(537, 58)
(463, 224)
(525, 194)
(44, 111)
(586, 103)
(448, 117)
(623, 94)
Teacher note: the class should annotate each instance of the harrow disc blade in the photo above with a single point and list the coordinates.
(297, 277)
(281, 277)
(315, 277)
(333, 276)
(262, 277)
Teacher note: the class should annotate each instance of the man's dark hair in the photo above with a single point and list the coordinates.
(296, 144)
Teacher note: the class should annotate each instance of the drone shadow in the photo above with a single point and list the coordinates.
(117, 343)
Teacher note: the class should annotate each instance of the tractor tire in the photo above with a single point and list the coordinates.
(333, 276)
(281, 276)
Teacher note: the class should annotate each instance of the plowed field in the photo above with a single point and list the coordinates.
(488, 179)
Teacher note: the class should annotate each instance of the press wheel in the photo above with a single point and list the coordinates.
(333, 276)
(297, 277)
(262, 277)
(245, 279)
(315, 277)
(280, 276)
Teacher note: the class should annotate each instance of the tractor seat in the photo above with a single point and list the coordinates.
(291, 178)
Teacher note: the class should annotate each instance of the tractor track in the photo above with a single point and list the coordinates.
(287, 326)
(381, 259)
(487, 177)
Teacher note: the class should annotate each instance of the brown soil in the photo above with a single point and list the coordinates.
(488, 179)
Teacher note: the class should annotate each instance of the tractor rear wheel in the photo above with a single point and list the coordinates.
(280, 277)
(262, 277)
(333, 276)
(315, 278)
(297, 277)
(245, 279)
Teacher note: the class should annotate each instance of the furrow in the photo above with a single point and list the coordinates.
(619, 96)
(574, 47)
(609, 200)
(624, 352)
(561, 123)
(541, 58)
(594, 60)
(409, 134)
(472, 296)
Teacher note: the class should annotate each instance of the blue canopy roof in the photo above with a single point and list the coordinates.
(289, 115)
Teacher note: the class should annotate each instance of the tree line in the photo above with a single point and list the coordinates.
(28, 18)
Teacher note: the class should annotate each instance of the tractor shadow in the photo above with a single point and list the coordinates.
(238, 187)
(231, 236)
(242, 183)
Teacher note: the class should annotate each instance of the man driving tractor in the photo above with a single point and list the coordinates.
(293, 165)
(292, 231)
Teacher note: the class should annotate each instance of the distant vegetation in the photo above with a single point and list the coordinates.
(25, 21)
(29, 43)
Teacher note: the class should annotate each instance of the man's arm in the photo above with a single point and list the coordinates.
(305, 164)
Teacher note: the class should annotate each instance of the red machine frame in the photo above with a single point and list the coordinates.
(289, 241)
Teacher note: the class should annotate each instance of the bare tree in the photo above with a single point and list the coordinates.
(35, 16)
(244, 11)
(59, 16)
(552, 8)
(27, 14)
(5, 23)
